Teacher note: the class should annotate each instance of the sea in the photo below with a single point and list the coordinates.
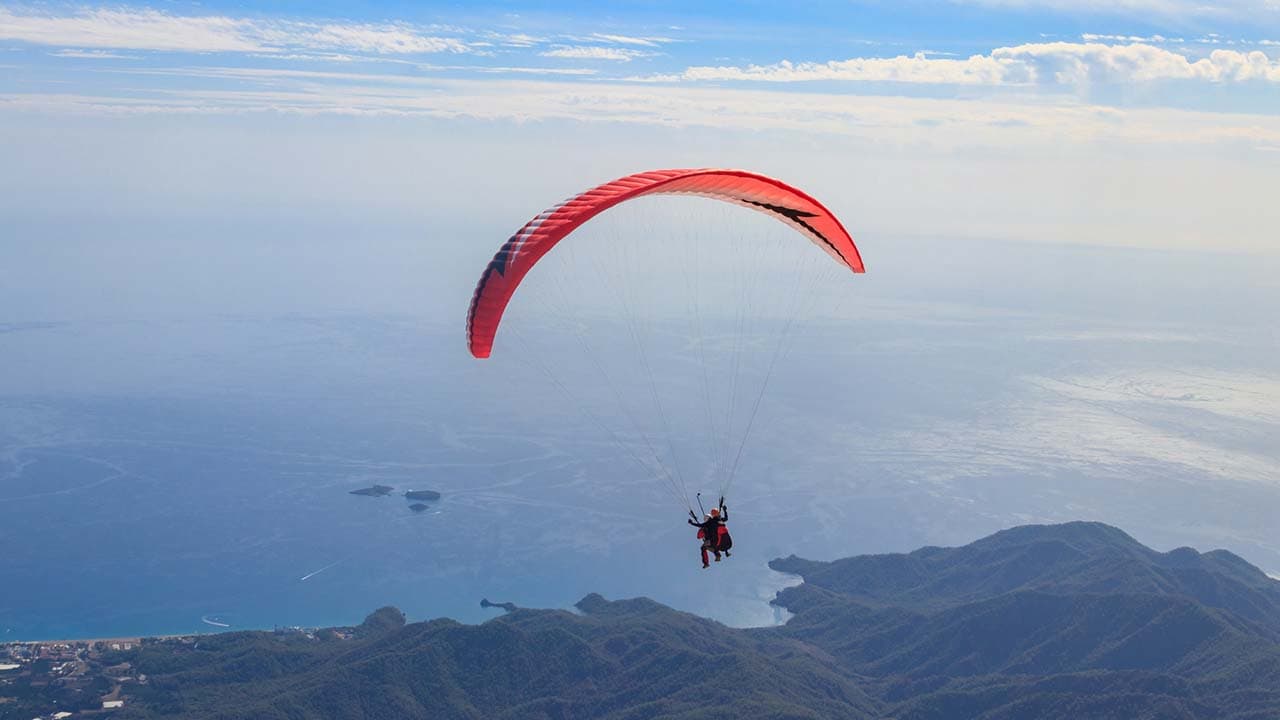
(192, 473)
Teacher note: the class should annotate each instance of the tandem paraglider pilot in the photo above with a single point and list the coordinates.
(713, 533)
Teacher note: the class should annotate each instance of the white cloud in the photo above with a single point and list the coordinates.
(326, 57)
(369, 38)
(1075, 63)
(1054, 63)
(1095, 37)
(137, 29)
(1166, 8)
(148, 29)
(355, 82)
(918, 68)
(144, 28)
(591, 52)
(630, 40)
(500, 70)
(93, 55)
(520, 40)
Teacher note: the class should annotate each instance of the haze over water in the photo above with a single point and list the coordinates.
(160, 471)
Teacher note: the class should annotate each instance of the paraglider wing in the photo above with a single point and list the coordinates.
(524, 249)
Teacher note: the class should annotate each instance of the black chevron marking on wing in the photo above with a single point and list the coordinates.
(797, 217)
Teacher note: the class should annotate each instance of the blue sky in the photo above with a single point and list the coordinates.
(1148, 52)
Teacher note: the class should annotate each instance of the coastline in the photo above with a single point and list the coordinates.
(86, 641)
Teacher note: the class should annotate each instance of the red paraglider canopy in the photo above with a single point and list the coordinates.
(524, 249)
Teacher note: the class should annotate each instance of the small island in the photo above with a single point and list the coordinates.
(429, 495)
(375, 491)
(419, 507)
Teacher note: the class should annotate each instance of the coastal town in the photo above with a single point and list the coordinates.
(69, 678)
(61, 679)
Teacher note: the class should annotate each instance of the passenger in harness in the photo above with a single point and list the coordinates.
(713, 534)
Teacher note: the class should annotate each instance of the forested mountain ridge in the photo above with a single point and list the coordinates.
(1068, 559)
(1066, 621)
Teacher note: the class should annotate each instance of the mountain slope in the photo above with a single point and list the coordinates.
(1071, 558)
(1067, 621)
(975, 631)
(628, 659)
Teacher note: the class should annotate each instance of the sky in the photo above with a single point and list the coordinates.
(1153, 123)
(251, 230)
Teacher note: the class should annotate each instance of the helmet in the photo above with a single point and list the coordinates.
(715, 512)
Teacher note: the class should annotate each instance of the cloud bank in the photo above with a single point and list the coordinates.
(147, 29)
(1055, 63)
